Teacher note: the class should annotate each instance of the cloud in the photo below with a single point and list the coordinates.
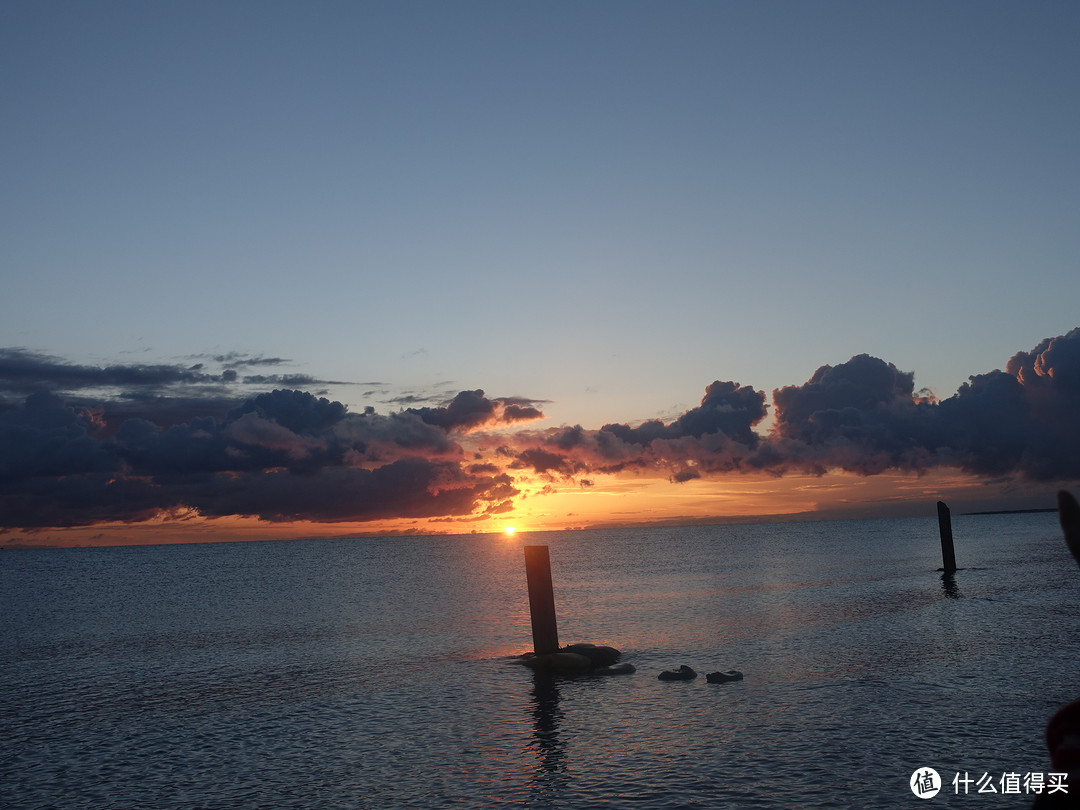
(163, 393)
(234, 360)
(294, 430)
(861, 416)
(545, 462)
(518, 410)
(864, 417)
(1023, 421)
(407, 488)
(472, 409)
(25, 371)
(715, 435)
(727, 407)
(47, 438)
(82, 444)
(282, 455)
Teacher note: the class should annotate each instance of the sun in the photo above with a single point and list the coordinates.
(509, 530)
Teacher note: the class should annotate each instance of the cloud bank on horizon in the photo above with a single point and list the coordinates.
(81, 445)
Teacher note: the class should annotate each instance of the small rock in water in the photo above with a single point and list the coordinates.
(577, 659)
(683, 673)
(724, 677)
(600, 656)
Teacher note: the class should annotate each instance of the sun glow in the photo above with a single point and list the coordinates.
(509, 530)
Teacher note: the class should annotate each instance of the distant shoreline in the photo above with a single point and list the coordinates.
(1012, 511)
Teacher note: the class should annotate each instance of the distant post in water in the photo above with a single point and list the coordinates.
(948, 554)
(541, 600)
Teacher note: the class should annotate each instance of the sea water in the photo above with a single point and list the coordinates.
(377, 672)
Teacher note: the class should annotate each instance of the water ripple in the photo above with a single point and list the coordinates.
(370, 674)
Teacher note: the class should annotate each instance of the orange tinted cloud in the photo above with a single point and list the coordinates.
(76, 458)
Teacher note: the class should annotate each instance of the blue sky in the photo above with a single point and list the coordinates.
(605, 206)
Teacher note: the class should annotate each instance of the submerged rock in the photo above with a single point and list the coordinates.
(724, 677)
(578, 659)
(600, 656)
(683, 673)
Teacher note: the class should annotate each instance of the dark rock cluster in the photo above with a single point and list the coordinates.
(579, 659)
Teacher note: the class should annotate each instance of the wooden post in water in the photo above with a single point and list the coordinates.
(948, 554)
(541, 600)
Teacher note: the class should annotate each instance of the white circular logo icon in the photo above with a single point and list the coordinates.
(925, 783)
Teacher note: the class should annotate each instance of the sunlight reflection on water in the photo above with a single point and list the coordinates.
(375, 673)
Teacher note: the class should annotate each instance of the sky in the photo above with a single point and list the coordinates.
(295, 269)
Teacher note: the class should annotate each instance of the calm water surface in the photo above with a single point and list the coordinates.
(374, 673)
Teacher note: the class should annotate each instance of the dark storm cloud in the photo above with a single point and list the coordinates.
(82, 443)
(297, 411)
(164, 411)
(727, 408)
(293, 430)
(544, 462)
(856, 399)
(46, 438)
(516, 412)
(472, 409)
(81, 500)
(24, 371)
(168, 442)
(280, 455)
(715, 434)
(412, 488)
(165, 394)
(1025, 420)
(862, 416)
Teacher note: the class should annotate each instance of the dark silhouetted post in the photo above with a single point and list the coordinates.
(541, 600)
(948, 555)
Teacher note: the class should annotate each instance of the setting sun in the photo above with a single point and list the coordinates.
(509, 530)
